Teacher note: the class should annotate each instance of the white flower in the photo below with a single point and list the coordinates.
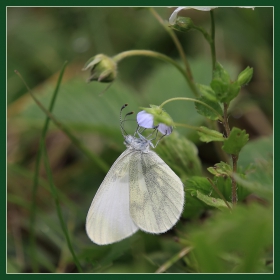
(146, 120)
(173, 16)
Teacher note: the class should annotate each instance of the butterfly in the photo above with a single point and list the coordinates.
(140, 191)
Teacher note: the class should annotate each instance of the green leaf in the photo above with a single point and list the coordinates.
(194, 207)
(207, 135)
(221, 169)
(180, 154)
(207, 92)
(256, 151)
(259, 179)
(221, 74)
(225, 92)
(233, 91)
(236, 141)
(224, 89)
(207, 112)
(234, 241)
(212, 201)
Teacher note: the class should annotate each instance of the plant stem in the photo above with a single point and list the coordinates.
(234, 158)
(193, 100)
(174, 259)
(212, 44)
(32, 238)
(58, 209)
(160, 56)
(177, 44)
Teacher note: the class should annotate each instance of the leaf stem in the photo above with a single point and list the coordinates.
(193, 100)
(32, 238)
(159, 56)
(178, 46)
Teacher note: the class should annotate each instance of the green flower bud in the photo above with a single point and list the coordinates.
(160, 116)
(183, 24)
(102, 69)
(245, 76)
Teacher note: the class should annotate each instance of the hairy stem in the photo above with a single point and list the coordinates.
(234, 158)
(193, 100)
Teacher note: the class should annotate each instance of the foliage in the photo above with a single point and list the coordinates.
(215, 234)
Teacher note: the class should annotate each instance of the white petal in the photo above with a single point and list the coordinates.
(145, 119)
(173, 16)
(164, 129)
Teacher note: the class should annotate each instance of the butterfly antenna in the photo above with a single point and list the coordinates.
(121, 121)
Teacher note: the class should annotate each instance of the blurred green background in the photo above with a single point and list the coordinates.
(39, 41)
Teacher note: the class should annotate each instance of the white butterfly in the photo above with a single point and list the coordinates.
(140, 191)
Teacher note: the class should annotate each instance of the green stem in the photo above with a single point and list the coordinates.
(159, 56)
(218, 145)
(32, 238)
(209, 39)
(193, 100)
(234, 159)
(58, 209)
(174, 259)
(177, 44)
(212, 44)
(97, 160)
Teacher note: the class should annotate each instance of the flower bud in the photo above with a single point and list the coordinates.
(245, 76)
(183, 24)
(102, 68)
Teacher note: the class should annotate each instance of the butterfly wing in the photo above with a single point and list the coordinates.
(108, 219)
(156, 193)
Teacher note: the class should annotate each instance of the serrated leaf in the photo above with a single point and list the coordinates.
(207, 135)
(221, 169)
(225, 92)
(236, 141)
(207, 112)
(207, 92)
(212, 201)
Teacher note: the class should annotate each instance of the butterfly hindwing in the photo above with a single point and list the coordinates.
(156, 193)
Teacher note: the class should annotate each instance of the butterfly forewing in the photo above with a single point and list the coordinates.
(108, 218)
(156, 193)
